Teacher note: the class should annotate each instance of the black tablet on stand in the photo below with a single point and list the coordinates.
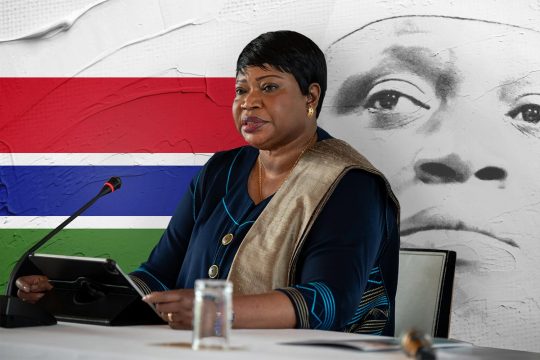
(92, 291)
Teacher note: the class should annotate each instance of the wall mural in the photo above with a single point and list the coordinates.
(443, 97)
(449, 109)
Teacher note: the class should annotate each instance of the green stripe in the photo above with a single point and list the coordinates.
(128, 247)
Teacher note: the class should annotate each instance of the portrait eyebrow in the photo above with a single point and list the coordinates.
(514, 88)
(413, 59)
(354, 90)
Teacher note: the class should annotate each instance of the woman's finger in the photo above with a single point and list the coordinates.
(177, 306)
(178, 320)
(181, 320)
(29, 296)
(164, 316)
(33, 283)
(167, 296)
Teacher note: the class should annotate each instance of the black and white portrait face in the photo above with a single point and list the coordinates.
(449, 110)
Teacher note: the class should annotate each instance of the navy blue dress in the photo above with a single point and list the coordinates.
(347, 271)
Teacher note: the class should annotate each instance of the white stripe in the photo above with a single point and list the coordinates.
(85, 222)
(59, 26)
(103, 159)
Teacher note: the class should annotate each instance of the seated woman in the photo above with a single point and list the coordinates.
(304, 226)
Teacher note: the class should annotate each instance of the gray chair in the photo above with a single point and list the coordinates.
(424, 292)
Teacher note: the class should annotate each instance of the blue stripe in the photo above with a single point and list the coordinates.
(245, 223)
(326, 302)
(227, 191)
(329, 304)
(232, 217)
(227, 210)
(379, 300)
(61, 190)
(360, 312)
(193, 194)
(141, 269)
(314, 301)
(230, 171)
(324, 299)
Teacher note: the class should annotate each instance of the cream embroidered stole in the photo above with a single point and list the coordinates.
(267, 257)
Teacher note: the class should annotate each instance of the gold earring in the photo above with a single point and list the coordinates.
(310, 112)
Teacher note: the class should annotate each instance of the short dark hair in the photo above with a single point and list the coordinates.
(290, 52)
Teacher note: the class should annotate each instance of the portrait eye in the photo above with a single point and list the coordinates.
(529, 113)
(398, 100)
(391, 100)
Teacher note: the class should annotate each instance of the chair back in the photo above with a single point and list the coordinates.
(424, 292)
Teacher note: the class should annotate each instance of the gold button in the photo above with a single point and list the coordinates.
(213, 271)
(227, 239)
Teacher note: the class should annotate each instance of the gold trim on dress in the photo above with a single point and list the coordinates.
(267, 257)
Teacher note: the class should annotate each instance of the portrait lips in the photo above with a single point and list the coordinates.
(433, 219)
(250, 124)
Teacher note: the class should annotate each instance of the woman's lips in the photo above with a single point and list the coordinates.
(432, 219)
(250, 124)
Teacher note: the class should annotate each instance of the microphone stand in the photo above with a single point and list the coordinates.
(13, 311)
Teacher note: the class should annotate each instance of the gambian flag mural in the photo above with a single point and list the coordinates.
(62, 138)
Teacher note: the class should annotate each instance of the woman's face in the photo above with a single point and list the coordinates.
(449, 110)
(269, 109)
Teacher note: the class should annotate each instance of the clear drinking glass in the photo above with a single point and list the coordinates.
(212, 314)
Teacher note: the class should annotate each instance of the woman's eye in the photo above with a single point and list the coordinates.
(269, 87)
(239, 91)
(529, 113)
(391, 100)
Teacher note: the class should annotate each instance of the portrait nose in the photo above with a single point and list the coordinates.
(453, 169)
(451, 151)
(448, 169)
(491, 173)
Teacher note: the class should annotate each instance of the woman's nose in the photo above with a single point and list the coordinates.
(251, 101)
(453, 169)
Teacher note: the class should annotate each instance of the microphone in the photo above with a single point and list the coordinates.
(418, 345)
(110, 186)
(13, 311)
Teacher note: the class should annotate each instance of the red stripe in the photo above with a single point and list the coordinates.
(110, 186)
(116, 115)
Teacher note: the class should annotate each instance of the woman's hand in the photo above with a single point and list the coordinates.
(272, 310)
(32, 287)
(175, 307)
